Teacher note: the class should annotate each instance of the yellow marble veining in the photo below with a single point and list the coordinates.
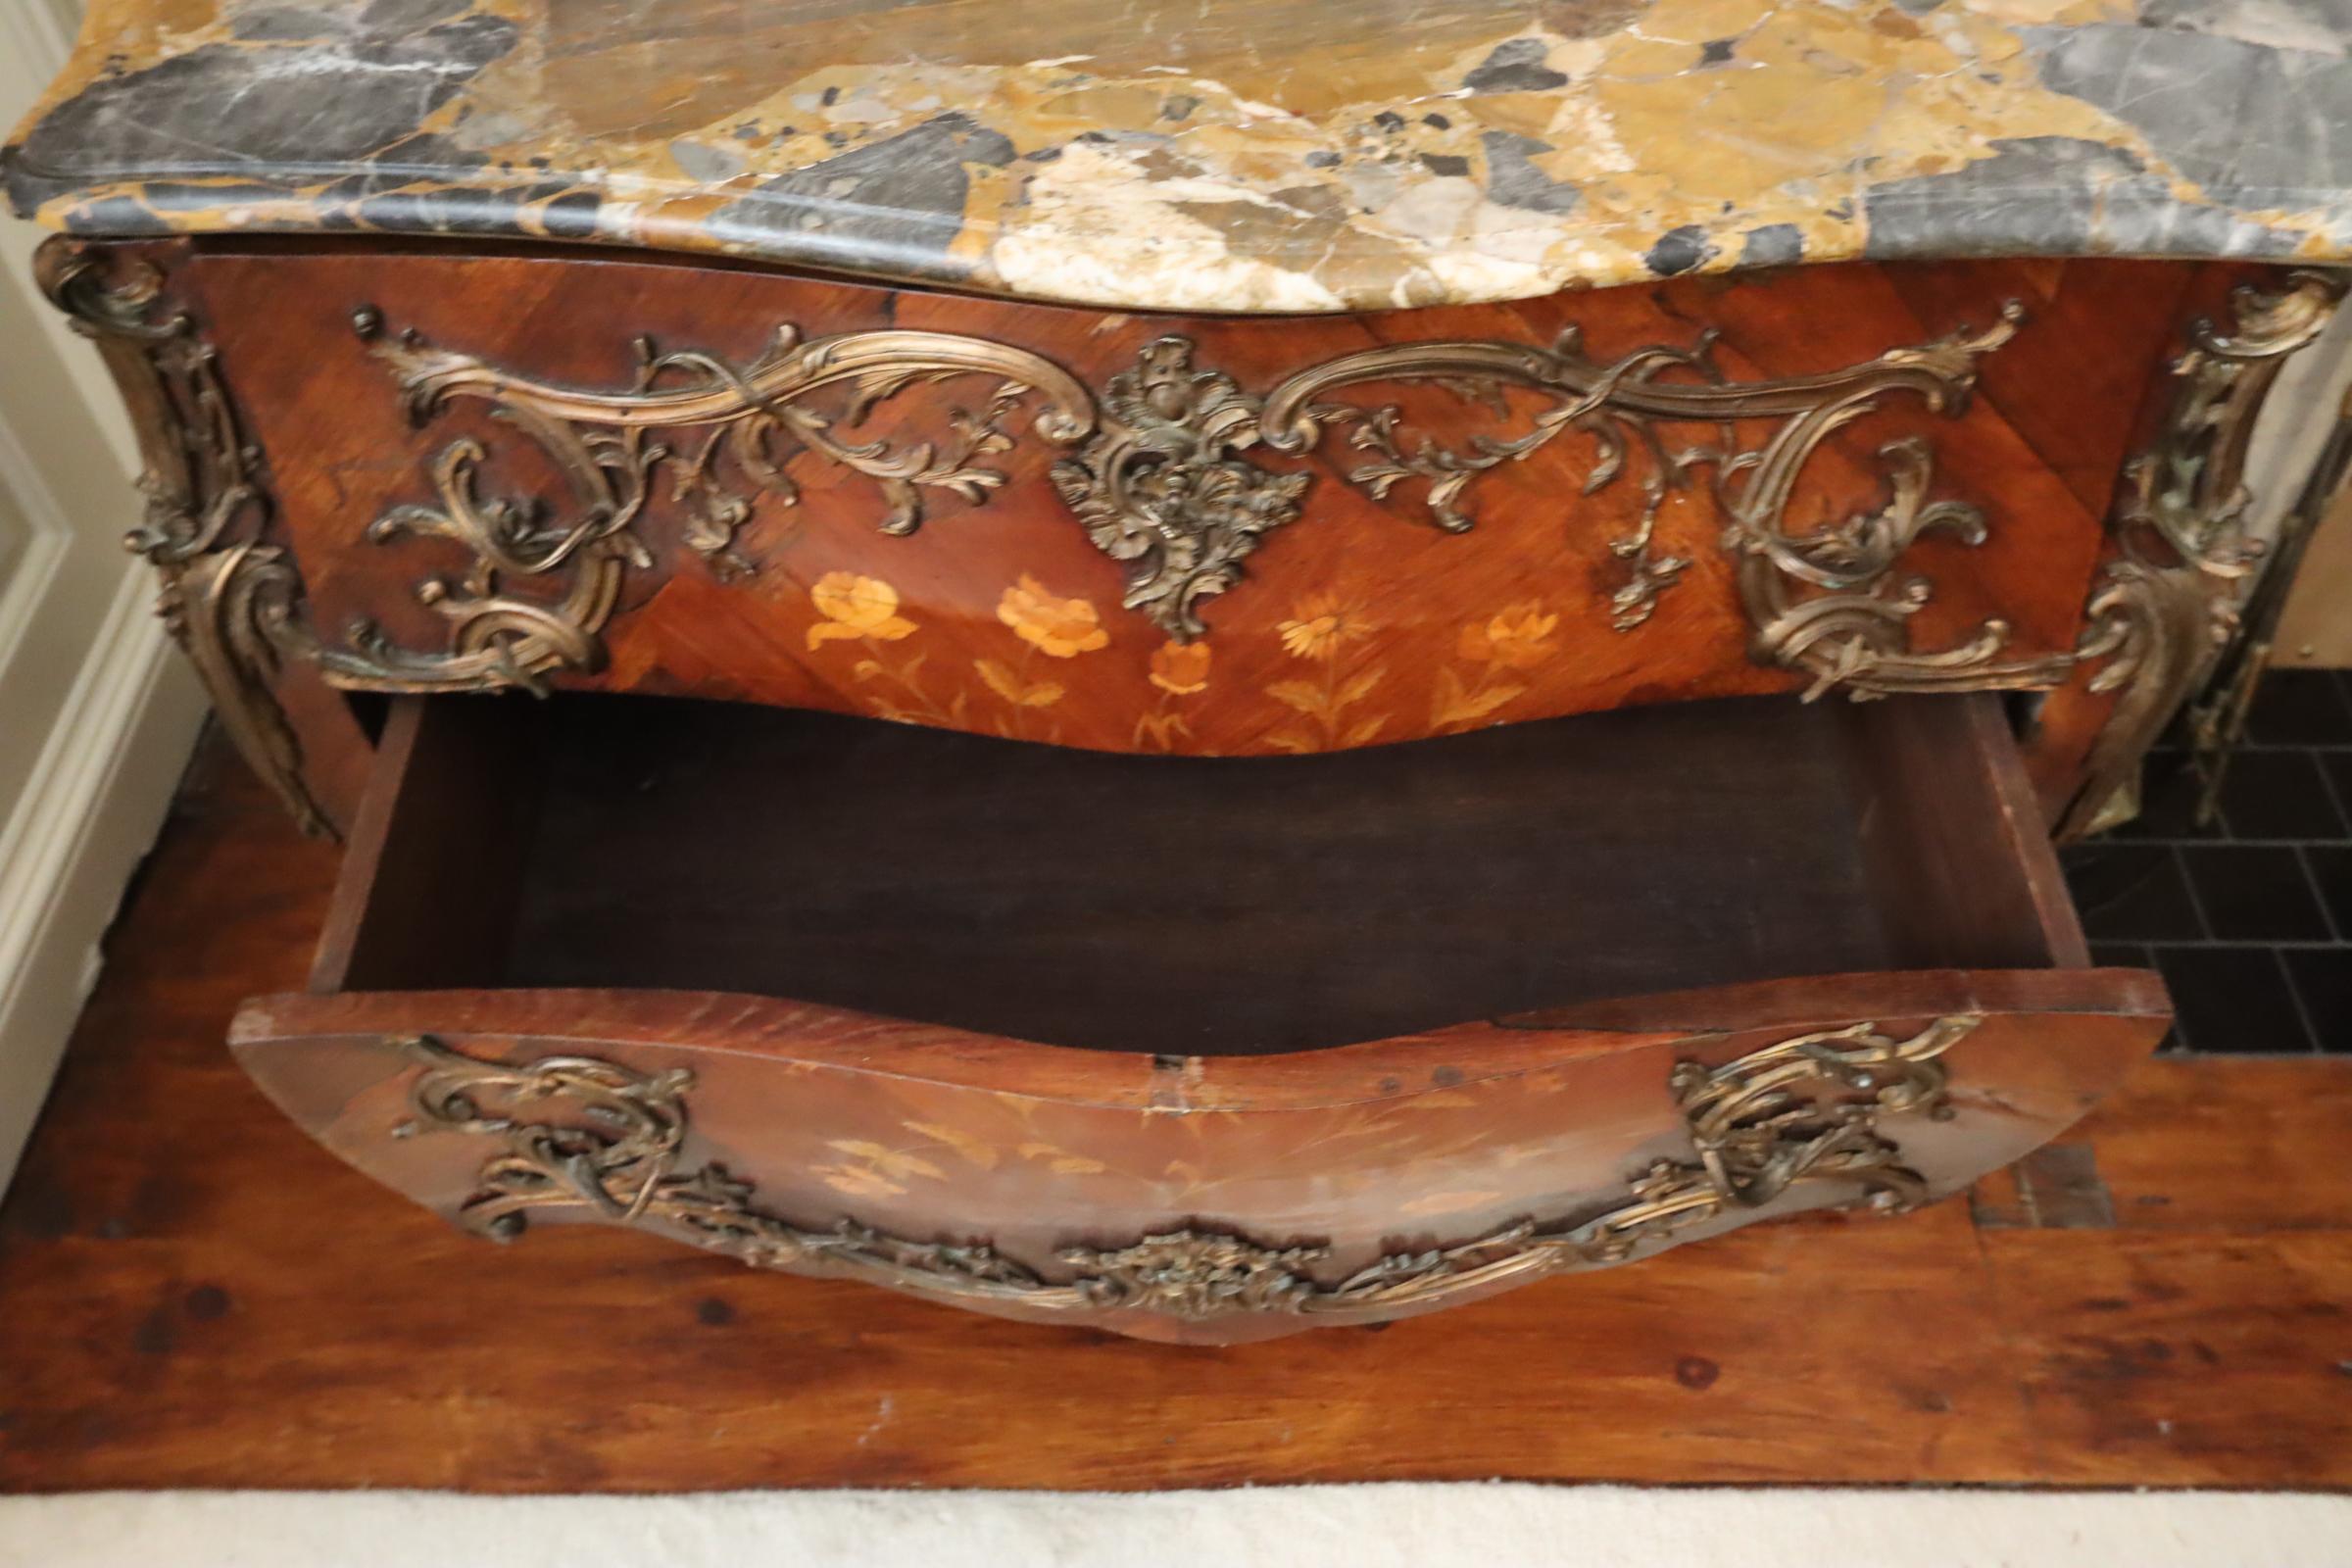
(1228, 154)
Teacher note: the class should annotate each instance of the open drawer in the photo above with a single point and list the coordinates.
(1193, 1048)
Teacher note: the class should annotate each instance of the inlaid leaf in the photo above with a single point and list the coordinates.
(1000, 680)
(1469, 706)
(1060, 1160)
(976, 1150)
(858, 1181)
(898, 1162)
(1447, 1203)
(1304, 696)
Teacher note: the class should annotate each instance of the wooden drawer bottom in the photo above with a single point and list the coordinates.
(1177, 1046)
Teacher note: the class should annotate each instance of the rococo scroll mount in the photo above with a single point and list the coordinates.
(2167, 603)
(1165, 479)
(230, 597)
(1830, 602)
(736, 427)
(575, 1136)
(1164, 490)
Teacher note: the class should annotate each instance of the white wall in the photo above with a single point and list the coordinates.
(2317, 626)
(97, 712)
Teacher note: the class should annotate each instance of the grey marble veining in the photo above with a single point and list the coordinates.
(1237, 155)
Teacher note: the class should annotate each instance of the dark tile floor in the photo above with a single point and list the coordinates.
(2249, 920)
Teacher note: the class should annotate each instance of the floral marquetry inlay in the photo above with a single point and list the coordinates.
(850, 606)
(1496, 655)
(1177, 670)
(721, 435)
(902, 684)
(1333, 697)
(577, 1137)
(1328, 696)
(1312, 523)
(1179, 473)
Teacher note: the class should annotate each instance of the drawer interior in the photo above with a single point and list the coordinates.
(1187, 905)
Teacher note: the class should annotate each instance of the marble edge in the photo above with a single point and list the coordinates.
(2049, 221)
(2088, 139)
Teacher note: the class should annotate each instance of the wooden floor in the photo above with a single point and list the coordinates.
(193, 1295)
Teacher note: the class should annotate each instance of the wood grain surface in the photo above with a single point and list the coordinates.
(1328, 1003)
(192, 1293)
(1360, 622)
(1191, 906)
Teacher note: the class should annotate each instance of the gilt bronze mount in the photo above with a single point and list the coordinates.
(588, 1138)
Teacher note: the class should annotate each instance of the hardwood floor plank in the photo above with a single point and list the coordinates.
(2230, 1145)
(2184, 1359)
(421, 1359)
(192, 1293)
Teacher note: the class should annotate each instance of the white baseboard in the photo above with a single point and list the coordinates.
(1379, 1524)
(90, 811)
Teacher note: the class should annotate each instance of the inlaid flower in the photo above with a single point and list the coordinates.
(855, 607)
(1062, 627)
(1181, 668)
(1322, 624)
(1518, 637)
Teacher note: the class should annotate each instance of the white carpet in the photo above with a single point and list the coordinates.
(1496, 1526)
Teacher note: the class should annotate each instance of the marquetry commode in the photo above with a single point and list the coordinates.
(1351, 508)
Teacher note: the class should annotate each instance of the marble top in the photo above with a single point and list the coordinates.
(1236, 155)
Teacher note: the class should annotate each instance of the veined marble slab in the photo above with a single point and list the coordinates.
(1227, 154)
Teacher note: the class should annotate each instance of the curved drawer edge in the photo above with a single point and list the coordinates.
(1169, 1213)
(803, 1036)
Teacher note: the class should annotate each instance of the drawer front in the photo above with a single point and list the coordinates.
(436, 471)
(1259, 1112)
(414, 470)
(1199, 535)
(1203, 1201)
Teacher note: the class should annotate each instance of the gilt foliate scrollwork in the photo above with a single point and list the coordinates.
(1801, 1111)
(1163, 482)
(715, 436)
(1194, 1275)
(1165, 487)
(1595, 400)
(2191, 487)
(229, 597)
(1827, 603)
(593, 1139)
(2168, 603)
(615, 1153)
(1163, 490)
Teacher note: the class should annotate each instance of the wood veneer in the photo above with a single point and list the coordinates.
(508, 495)
(2037, 449)
(1184, 907)
(193, 1294)
(869, 947)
